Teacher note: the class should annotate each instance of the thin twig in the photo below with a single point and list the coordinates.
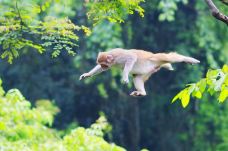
(215, 12)
(19, 14)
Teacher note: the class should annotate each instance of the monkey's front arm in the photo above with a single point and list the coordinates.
(96, 70)
(128, 67)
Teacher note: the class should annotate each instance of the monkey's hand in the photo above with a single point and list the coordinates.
(125, 80)
(84, 75)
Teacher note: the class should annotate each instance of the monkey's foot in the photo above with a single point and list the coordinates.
(137, 93)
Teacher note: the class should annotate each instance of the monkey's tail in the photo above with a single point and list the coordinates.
(173, 57)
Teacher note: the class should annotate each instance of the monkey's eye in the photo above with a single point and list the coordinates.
(104, 66)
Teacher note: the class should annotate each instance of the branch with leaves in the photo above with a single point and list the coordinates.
(114, 11)
(216, 83)
(22, 28)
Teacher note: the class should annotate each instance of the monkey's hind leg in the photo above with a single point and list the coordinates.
(139, 85)
(168, 66)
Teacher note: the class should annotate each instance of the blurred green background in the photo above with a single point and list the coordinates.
(151, 122)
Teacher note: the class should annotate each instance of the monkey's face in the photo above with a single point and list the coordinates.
(105, 60)
(104, 65)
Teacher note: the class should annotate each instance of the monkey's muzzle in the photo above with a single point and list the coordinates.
(104, 66)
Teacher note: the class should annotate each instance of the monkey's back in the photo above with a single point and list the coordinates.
(144, 63)
(142, 54)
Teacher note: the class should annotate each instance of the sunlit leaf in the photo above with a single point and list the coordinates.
(223, 95)
(198, 95)
(225, 68)
(216, 81)
(202, 85)
(185, 98)
(177, 97)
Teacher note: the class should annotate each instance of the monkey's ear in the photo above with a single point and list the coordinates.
(109, 58)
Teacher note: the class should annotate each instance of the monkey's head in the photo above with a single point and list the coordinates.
(105, 59)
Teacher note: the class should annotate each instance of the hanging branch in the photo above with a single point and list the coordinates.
(224, 2)
(19, 15)
(215, 12)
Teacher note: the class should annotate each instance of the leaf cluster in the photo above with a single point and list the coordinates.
(23, 127)
(216, 81)
(113, 10)
(23, 29)
(168, 9)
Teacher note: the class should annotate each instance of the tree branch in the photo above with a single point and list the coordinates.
(19, 15)
(215, 12)
(224, 2)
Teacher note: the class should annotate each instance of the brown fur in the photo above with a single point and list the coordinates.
(101, 57)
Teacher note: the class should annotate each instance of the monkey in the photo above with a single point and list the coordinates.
(141, 64)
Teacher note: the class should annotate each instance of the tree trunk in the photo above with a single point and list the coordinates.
(133, 125)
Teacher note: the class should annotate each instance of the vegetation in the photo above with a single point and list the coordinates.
(23, 27)
(215, 81)
(26, 128)
(50, 43)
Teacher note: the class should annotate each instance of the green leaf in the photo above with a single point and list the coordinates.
(2, 126)
(198, 95)
(225, 68)
(144, 150)
(102, 90)
(177, 96)
(223, 95)
(202, 85)
(185, 98)
(162, 17)
(212, 74)
(170, 18)
(226, 80)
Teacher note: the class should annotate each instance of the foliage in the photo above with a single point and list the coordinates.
(22, 27)
(216, 81)
(168, 8)
(210, 122)
(224, 1)
(208, 36)
(151, 121)
(114, 11)
(90, 139)
(25, 128)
